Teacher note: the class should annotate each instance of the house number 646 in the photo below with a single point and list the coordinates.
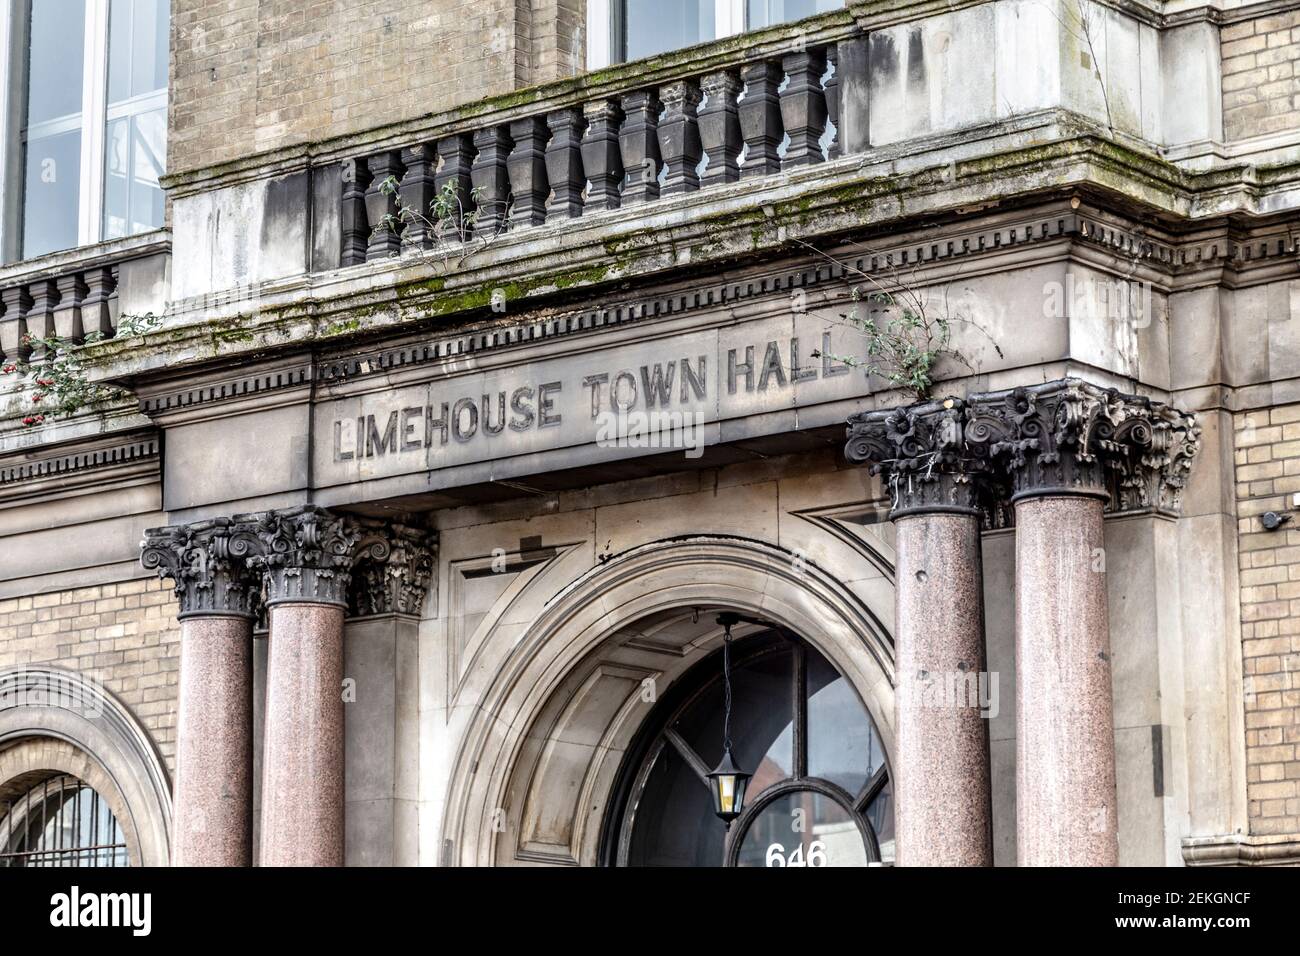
(816, 855)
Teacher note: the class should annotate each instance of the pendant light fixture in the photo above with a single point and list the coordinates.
(727, 782)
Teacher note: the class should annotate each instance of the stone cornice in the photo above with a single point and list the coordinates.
(756, 218)
(132, 450)
(1065, 437)
(1155, 253)
(1238, 849)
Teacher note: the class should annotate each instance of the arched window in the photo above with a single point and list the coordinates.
(820, 793)
(60, 821)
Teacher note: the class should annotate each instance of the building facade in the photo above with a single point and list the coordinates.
(436, 433)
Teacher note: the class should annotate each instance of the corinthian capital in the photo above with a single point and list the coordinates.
(207, 562)
(394, 564)
(922, 453)
(306, 552)
(1072, 437)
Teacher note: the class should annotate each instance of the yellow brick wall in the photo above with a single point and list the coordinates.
(1267, 449)
(1261, 79)
(123, 635)
(255, 75)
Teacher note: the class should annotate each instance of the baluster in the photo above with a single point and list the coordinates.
(564, 164)
(720, 128)
(760, 119)
(96, 316)
(601, 157)
(527, 166)
(638, 141)
(416, 193)
(679, 136)
(381, 205)
(832, 88)
(852, 67)
(453, 183)
(13, 327)
(40, 316)
(803, 107)
(491, 179)
(67, 315)
(354, 225)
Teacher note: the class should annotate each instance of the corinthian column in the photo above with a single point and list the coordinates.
(307, 554)
(942, 813)
(1066, 447)
(218, 596)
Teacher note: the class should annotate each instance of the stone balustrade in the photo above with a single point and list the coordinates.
(77, 294)
(69, 306)
(745, 118)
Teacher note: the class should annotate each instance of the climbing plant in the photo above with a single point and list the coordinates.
(449, 223)
(906, 333)
(59, 384)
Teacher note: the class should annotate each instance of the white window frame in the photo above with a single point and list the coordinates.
(603, 26)
(14, 19)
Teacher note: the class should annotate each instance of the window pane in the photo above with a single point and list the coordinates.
(653, 26)
(52, 189)
(803, 829)
(134, 158)
(762, 717)
(880, 813)
(55, 59)
(764, 13)
(843, 746)
(60, 822)
(137, 48)
(675, 825)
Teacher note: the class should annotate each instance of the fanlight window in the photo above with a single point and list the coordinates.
(820, 794)
(60, 822)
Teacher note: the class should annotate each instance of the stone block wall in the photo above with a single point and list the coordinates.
(1267, 473)
(1261, 75)
(123, 635)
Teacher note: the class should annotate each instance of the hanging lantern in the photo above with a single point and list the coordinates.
(727, 782)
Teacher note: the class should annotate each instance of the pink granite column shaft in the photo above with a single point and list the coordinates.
(943, 808)
(1065, 735)
(302, 763)
(214, 743)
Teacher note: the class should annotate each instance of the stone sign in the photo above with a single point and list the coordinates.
(649, 393)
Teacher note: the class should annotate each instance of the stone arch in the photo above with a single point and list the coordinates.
(585, 652)
(56, 720)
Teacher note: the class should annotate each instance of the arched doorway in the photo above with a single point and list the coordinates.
(820, 792)
(536, 771)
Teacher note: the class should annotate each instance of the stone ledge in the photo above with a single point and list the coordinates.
(1242, 850)
(867, 192)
